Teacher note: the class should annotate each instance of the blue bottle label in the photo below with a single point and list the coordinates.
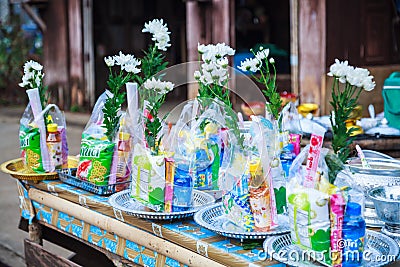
(353, 250)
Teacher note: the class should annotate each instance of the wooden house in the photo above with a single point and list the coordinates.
(312, 33)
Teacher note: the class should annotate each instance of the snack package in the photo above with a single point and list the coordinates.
(37, 153)
(96, 152)
(148, 178)
(315, 206)
(235, 185)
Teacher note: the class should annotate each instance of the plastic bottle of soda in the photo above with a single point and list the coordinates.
(353, 235)
(54, 145)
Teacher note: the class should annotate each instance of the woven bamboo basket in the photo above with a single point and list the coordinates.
(16, 169)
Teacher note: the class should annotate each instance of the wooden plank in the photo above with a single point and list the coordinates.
(312, 49)
(123, 230)
(36, 255)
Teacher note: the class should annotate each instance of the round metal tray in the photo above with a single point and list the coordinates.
(124, 202)
(212, 218)
(379, 245)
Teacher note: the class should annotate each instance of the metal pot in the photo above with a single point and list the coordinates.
(387, 206)
(383, 172)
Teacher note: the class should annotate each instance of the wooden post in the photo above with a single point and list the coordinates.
(193, 37)
(312, 49)
(55, 49)
(207, 22)
(294, 46)
(88, 51)
(75, 51)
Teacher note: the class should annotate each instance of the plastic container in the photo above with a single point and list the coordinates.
(353, 234)
(391, 96)
(54, 145)
(123, 153)
(183, 188)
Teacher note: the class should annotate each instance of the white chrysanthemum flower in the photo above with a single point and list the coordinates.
(208, 67)
(368, 84)
(110, 61)
(250, 64)
(217, 73)
(272, 60)
(158, 85)
(340, 70)
(223, 62)
(155, 25)
(224, 50)
(131, 68)
(31, 65)
(197, 74)
(27, 78)
(201, 48)
(122, 59)
(356, 76)
(262, 54)
(206, 78)
(160, 33)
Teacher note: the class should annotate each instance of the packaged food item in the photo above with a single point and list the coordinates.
(95, 159)
(148, 178)
(238, 211)
(29, 138)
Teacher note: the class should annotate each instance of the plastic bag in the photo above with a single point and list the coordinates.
(96, 152)
(315, 206)
(37, 153)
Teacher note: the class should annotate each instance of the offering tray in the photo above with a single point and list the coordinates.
(212, 218)
(124, 202)
(18, 170)
(68, 176)
(378, 246)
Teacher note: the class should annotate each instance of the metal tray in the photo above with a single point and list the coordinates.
(124, 202)
(379, 245)
(68, 176)
(212, 218)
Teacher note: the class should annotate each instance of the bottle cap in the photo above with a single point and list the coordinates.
(353, 209)
(254, 166)
(52, 127)
(124, 136)
(290, 147)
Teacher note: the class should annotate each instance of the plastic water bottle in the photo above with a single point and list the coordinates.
(287, 157)
(353, 236)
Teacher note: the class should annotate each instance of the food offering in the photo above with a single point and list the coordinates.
(42, 132)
